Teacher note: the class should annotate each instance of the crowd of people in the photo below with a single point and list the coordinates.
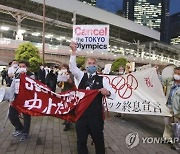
(52, 77)
(66, 77)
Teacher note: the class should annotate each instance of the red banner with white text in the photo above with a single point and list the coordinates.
(36, 99)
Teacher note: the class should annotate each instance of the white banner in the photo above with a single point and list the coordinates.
(91, 37)
(138, 93)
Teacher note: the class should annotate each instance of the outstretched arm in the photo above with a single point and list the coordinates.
(78, 74)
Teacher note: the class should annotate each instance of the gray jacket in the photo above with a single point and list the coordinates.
(168, 83)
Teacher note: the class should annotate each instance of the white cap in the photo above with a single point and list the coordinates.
(2, 93)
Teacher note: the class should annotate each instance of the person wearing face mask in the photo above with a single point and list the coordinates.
(91, 122)
(65, 78)
(20, 129)
(11, 71)
(121, 72)
(174, 96)
(173, 102)
(65, 82)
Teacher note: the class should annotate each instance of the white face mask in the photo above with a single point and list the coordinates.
(22, 70)
(176, 77)
(15, 65)
(121, 73)
(63, 70)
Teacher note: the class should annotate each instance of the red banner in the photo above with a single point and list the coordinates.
(36, 99)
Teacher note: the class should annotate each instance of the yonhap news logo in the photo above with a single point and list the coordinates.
(133, 139)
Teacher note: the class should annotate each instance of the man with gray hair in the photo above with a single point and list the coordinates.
(91, 122)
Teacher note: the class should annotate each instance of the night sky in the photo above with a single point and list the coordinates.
(115, 5)
(174, 6)
(110, 5)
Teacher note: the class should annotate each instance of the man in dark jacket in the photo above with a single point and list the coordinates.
(51, 80)
(42, 74)
(3, 75)
(91, 122)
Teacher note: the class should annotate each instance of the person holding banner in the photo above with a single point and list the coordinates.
(173, 102)
(20, 129)
(91, 122)
(65, 82)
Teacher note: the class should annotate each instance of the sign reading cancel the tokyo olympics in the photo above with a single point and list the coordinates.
(91, 37)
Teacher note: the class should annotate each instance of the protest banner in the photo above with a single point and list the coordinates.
(91, 37)
(138, 93)
(36, 99)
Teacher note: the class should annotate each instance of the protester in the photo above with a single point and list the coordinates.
(51, 80)
(65, 82)
(91, 122)
(121, 72)
(173, 102)
(42, 74)
(47, 70)
(128, 68)
(11, 71)
(100, 71)
(20, 129)
(56, 69)
(4, 76)
(174, 97)
(8, 78)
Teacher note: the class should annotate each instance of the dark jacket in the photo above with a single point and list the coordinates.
(42, 75)
(96, 107)
(51, 81)
(4, 73)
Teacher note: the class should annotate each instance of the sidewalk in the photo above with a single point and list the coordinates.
(47, 136)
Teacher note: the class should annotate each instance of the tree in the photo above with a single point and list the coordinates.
(80, 61)
(117, 63)
(28, 52)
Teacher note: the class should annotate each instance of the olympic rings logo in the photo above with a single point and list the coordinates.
(124, 86)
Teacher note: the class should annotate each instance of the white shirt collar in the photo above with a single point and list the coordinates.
(91, 74)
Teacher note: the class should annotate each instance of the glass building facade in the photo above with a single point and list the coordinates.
(148, 13)
(174, 29)
(151, 13)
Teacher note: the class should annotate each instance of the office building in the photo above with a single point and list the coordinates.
(174, 31)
